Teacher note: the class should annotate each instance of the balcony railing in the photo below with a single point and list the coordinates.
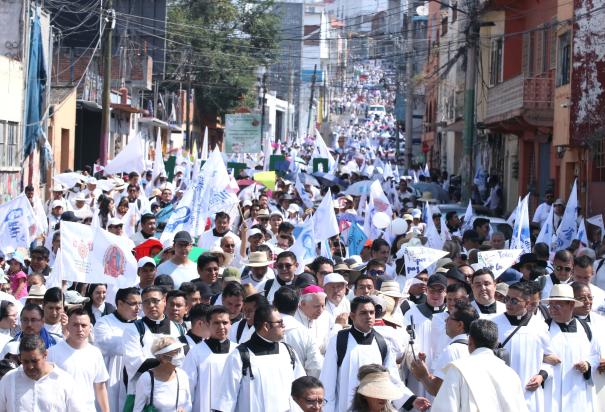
(519, 95)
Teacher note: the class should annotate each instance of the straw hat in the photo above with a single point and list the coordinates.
(391, 288)
(562, 292)
(378, 385)
(227, 257)
(36, 292)
(388, 311)
(258, 259)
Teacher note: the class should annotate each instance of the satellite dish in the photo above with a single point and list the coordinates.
(422, 10)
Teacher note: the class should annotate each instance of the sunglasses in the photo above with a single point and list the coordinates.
(563, 268)
(512, 301)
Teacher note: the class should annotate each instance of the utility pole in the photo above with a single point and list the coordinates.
(262, 107)
(469, 100)
(311, 98)
(110, 21)
(409, 93)
(188, 115)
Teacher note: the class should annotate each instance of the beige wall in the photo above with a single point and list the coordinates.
(62, 132)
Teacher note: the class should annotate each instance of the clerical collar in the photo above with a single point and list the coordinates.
(121, 319)
(237, 318)
(362, 338)
(194, 337)
(217, 234)
(518, 320)
(555, 280)
(418, 299)
(282, 282)
(261, 346)
(428, 311)
(146, 236)
(158, 326)
(586, 318)
(491, 308)
(568, 327)
(216, 346)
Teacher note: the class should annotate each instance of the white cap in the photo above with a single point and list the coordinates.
(416, 213)
(145, 260)
(56, 203)
(114, 221)
(91, 181)
(293, 208)
(277, 213)
(254, 232)
(247, 202)
(334, 278)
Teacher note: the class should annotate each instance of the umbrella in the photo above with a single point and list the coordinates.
(307, 179)
(359, 188)
(328, 179)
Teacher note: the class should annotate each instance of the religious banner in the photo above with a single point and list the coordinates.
(18, 224)
(418, 258)
(242, 133)
(304, 246)
(76, 244)
(498, 260)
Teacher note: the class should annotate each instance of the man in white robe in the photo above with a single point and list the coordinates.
(258, 375)
(363, 346)
(481, 381)
(571, 387)
(457, 327)
(420, 318)
(212, 238)
(108, 337)
(295, 334)
(583, 272)
(337, 305)
(205, 361)
(483, 284)
(242, 330)
(528, 347)
(562, 270)
(312, 315)
(454, 293)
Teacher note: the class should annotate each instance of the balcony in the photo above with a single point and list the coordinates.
(529, 100)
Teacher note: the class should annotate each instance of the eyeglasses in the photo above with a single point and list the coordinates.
(152, 301)
(584, 298)
(284, 265)
(376, 272)
(563, 268)
(280, 323)
(133, 304)
(32, 320)
(512, 301)
(318, 401)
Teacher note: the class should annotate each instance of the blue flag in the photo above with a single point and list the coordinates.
(357, 238)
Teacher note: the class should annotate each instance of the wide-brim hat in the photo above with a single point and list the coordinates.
(528, 258)
(562, 292)
(391, 288)
(379, 385)
(36, 292)
(427, 197)
(258, 259)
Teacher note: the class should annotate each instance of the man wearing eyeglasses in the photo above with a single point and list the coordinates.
(139, 336)
(583, 272)
(528, 347)
(109, 333)
(258, 376)
(286, 265)
(562, 270)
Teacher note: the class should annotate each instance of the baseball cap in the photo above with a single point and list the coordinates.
(254, 232)
(305, 279)
(436, 280)
(56, 203)
(334, 278)
(416, 213)
(183, 236)
(145, 260)
(73, 297)
(69, 216)
(115, 221)
(205, 291)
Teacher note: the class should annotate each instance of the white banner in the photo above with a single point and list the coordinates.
(418, 258)
(326, 224)
(130, 159)
(96, 256)
(597, 220)
(498, 260)
(18, 225)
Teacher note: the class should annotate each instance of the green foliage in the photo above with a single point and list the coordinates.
(219, 45)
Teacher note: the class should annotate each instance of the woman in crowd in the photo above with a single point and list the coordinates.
(97, 306)
(376, 390)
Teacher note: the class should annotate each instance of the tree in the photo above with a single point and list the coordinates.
(219, 45)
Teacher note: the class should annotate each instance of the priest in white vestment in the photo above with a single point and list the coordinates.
(480, 382)
(483, 284)
(258, 376)
(205, 361)
(571, 387)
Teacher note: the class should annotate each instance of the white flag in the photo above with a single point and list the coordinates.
(204, 146)
(54, 279)
(321, 151)
(547, 231)
(304, 195)
(434, 238)
(521, 234)
(326, 224)
(18, 224)
(69, 179)
(468, 218)
(130, 159)
(388, 171)
(566, 232)
(305, 245)
(597, 220)
(418, 258)
(582, 235)
(158, 160)
(498, 260)
(76, 246)
(513, 216)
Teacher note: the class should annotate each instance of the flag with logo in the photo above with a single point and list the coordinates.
(498, 260)
(18, 224)
(468, 218)
(356, 239)
(582, 235)
(418, 258)
(305, 245)
(566, 232)
(521, 234)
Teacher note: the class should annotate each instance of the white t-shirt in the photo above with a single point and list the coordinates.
(179, 273)
(85, 365)
(164, 393)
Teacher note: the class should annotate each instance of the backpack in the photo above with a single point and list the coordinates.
(341, 346)
(245, 355)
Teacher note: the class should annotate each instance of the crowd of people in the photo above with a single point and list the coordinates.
(236, 319)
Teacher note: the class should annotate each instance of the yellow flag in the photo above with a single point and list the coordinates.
(266, 178)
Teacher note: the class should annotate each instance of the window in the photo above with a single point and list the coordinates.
(495, 67)
(454, 12)
(444, 26)
(564, 59)
(9, 144)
